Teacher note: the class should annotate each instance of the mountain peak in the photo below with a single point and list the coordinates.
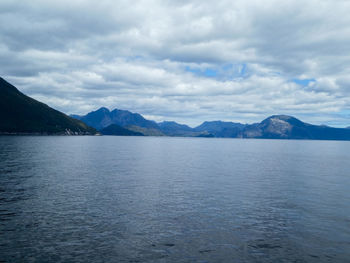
(283, 119)
(103, 109)
(103, 118)
(167, 122)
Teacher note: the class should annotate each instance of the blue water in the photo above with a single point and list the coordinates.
(157, 199)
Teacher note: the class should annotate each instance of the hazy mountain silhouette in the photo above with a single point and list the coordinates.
(172, 128)
(221, 128)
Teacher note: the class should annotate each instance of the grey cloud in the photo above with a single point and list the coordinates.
(80, 55)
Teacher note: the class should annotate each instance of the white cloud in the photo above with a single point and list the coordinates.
(152, 57)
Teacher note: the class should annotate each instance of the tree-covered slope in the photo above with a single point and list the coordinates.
(22, 114)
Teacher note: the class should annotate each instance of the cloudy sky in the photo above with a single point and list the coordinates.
(187, 61)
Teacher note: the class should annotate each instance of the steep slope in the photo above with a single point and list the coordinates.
(98, 119)
(115, 129)
(126, 118)
(22, 114)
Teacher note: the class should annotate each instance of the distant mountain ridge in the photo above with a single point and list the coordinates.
(134, 122)
(273, 127)
(172, 128)
(103, 117)
(20, 114)
(221, 129)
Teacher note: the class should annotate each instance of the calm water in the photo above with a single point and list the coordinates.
(148, 199)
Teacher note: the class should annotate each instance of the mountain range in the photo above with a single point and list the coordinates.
(273, 127)
(103, 117)
(20, 114)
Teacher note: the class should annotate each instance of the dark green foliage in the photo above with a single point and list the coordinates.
(22, 114)
(115, 129)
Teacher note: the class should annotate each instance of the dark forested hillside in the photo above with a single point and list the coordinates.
(22, 114)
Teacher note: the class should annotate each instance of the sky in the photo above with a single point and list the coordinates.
(185, 61)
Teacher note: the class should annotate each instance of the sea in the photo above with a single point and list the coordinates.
(167, 199)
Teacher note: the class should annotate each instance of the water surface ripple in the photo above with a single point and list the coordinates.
(153, 199)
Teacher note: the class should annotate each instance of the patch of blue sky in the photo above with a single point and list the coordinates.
(345, 113)
(339, 119)
(243, 70)
(210, 72)
(303, 82)
(206, 72)
(227, 71)
(233, 71)
(196, 71)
